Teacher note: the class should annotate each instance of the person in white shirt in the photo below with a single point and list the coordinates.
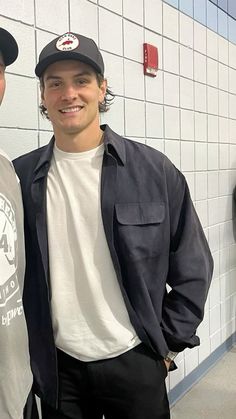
(108, 223)
(16, 400)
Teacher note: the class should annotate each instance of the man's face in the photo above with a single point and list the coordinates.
(2, 78)
(71, 95)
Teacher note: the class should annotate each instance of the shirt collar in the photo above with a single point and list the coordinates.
(113, 143)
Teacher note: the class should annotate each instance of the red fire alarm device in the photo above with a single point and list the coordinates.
(150, 60)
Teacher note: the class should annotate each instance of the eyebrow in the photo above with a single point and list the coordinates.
(82, 74)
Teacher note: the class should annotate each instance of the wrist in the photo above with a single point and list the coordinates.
(170, 356)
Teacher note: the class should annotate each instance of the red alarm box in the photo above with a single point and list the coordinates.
(150, 60)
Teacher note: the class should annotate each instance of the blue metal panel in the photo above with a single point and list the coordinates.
(223, 4)
(222, 23)
(186, 6)
(199, 11)
(232, 8)
(232, 29)
(212, 16)
(174, 3)
(217, 15)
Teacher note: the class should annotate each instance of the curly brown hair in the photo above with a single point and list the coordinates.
(104, 106)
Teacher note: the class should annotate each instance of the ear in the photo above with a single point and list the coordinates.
(103, 89)
(42, 95)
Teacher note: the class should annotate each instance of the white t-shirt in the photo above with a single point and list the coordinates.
(15, 372)
(90, 318)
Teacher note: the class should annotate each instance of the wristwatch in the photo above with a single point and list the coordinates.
(171, 356)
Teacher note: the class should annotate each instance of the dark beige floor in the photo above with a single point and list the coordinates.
(214, 397)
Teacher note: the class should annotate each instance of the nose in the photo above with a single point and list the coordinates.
(68, 93)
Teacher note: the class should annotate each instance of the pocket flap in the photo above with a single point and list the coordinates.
(140, 213)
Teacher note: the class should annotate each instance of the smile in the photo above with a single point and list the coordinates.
(71, 110)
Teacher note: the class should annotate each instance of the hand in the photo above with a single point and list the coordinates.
(167, 364)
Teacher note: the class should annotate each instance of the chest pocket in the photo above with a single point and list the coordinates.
(140, 229)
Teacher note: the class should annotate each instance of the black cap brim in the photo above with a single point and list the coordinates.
(8, 47)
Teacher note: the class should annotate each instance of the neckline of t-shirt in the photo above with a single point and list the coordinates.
(88, 154)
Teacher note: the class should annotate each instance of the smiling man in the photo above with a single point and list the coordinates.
(15, 372)
(109, 223)
(73, 115)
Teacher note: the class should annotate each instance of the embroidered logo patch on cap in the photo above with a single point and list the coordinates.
(67, 42)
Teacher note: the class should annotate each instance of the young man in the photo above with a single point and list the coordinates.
(109, 223)
(15, 372)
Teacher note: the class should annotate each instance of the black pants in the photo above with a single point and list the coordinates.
(130, 386)
(30, 410)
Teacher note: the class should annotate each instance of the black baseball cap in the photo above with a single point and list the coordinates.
(8, 47)
(70, 46)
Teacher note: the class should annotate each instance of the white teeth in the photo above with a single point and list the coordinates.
(67, 110)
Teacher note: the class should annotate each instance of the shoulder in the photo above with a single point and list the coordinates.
(142, 148)
(146, 155)
(146, 161)
(5, 158)
(4, 155)
(28, 162)
(141, 158)
(33, 155)
(6, 164)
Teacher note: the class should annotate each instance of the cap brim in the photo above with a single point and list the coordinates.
(60, 56)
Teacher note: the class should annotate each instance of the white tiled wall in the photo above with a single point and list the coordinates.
(188, 112)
